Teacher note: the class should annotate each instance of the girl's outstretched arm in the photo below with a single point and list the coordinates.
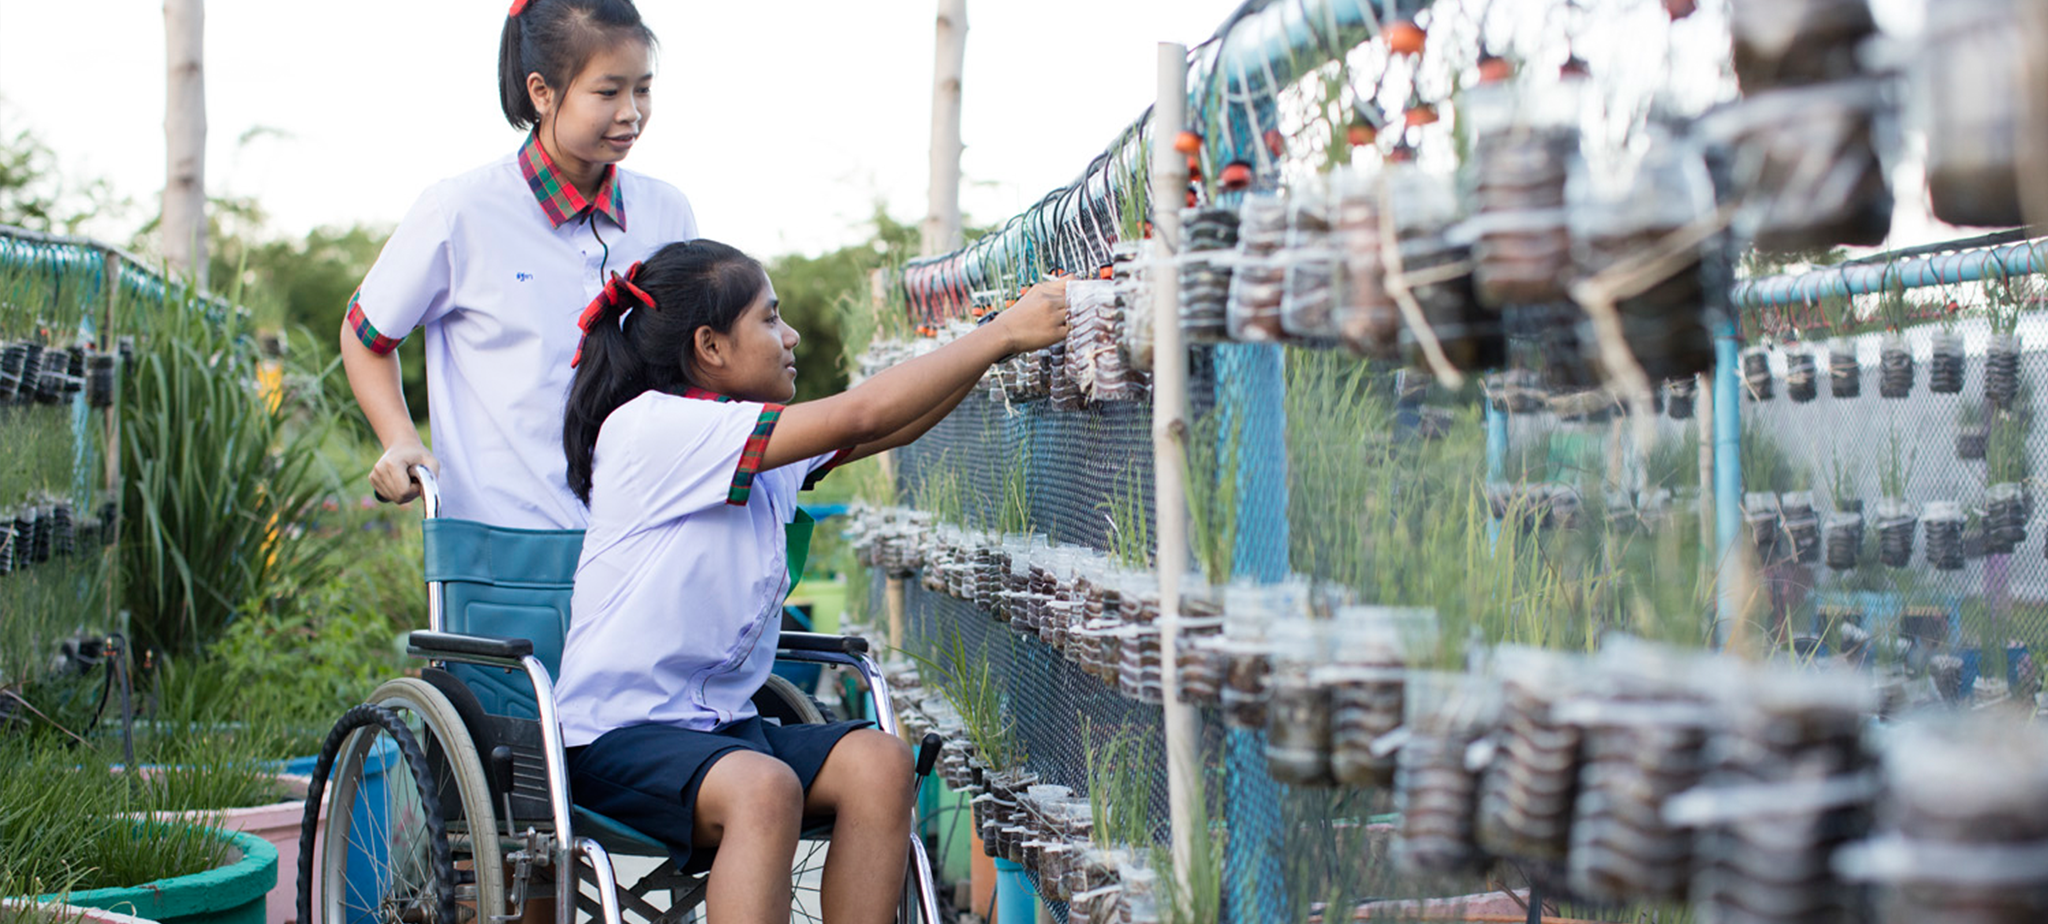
(375, 380)
(917, 428)
(895, 399)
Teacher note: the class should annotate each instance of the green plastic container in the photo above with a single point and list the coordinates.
(232, 894)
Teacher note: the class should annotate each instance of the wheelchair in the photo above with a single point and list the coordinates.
(447, 798)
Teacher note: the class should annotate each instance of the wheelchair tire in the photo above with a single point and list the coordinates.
(356, 869)
(447, 801)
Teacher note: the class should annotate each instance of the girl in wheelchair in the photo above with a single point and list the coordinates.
(680, 440)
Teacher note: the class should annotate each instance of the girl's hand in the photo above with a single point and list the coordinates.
(1039, 319)
(391, 478)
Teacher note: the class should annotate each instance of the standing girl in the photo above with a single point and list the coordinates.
(677, 437)
(485, 262)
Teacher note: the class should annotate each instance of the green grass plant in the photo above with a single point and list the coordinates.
(1123, 762)
(219, 481)
(1130, 528)
(969, 683)
(1209, 474)
(62, 824)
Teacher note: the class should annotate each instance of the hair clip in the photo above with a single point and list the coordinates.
(518, 6)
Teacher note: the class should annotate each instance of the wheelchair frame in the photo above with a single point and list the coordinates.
(561, 848)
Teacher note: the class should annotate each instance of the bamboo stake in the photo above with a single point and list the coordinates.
(1169, 439)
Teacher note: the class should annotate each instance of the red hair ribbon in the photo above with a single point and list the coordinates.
(518, 6)
(609, 298)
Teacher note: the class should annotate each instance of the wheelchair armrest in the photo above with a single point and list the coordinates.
(818, 641)
(448, 643)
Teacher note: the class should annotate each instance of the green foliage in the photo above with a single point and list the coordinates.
(1122, 764)
(969, 684)
(1193, 895)
(2005, 451)
(62, 824)
(1014, 513)
(827, 299)
(1898, 468)
(219, 481)
(34, 193)
(1766, 466)
(1209, 462)
(1130, 529)
(943, 492)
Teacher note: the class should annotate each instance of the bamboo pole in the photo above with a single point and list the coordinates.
(941, 230)
(1169, 436)
(184, 203)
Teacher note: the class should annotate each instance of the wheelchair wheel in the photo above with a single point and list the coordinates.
(412, 847)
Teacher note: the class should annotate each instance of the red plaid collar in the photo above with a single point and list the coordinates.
(558, 197)
(702, 394)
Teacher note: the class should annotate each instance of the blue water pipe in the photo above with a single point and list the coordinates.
(1016, 903)
(1496, 459)
(1805, 288)
(1727, 471)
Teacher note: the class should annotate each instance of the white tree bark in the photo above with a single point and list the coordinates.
(184, 209)
(942, 221)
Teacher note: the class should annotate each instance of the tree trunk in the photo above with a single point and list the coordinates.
(184, 210)
(942, 223)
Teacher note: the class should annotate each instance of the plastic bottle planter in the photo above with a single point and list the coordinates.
(13, 369)
(1783, 43)
(57, 384)
(6, 547)
(1436, 789)
(1790, 788)
(2002, 371)
(1308, 297)
(1680, 396)
(1760, 513)
(1845, 374)
(1366, 685)
(2005, 518)
(1805, 166)
(99, 381)
(1894, 368)
(1895, 522)
(1134, 304)
(1205, 282)
(1963, 825)
(1425, 208)
(1522, 156)
(1258, 282)
(1944, 523)
(1645, 739)
(1802, 377)
(1366, 319)
(1199, 662)
(1298, 704)
(1973, 57)
(1756, 375)
(1945, 363)
(1613, 222)
(1526, 795)
(1247, 655)
(1801, 527)
(1844, 540)
(1972, 441)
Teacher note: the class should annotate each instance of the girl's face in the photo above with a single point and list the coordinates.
(602, 112)
(756, 360)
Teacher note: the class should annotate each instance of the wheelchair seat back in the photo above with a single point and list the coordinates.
(504, 583)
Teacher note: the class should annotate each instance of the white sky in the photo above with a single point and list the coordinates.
(783, 120)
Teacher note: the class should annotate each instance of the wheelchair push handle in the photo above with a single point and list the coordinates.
(430, 490)
(928, 754)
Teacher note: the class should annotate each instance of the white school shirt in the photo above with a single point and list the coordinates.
(497, 264)
(679, 591)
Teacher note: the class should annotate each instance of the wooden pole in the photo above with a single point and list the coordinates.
(1169, 434)
(184, 205)
(941, 230)
(892, 587)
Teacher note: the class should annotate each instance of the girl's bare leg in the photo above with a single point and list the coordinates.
(866, 786)
(750, 806)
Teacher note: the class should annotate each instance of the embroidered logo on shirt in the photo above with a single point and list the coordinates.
(523, 277)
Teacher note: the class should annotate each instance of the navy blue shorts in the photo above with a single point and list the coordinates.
(646, 776)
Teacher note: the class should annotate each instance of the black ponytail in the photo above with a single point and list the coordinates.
(694, 284)
(555, 38)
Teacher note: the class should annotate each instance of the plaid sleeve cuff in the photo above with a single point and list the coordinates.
(818, 474)
(367, 332)
(751, 457)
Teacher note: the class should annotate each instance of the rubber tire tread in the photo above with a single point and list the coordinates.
(356, 718)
